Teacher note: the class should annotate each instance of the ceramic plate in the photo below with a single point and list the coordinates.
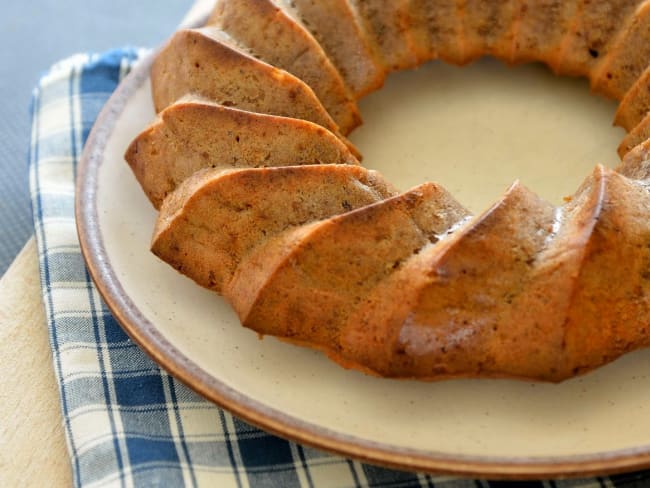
(495, 428)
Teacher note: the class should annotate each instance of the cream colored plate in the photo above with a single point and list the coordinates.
(474, 130)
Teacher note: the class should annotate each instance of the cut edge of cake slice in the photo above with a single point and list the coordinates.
(195, 133)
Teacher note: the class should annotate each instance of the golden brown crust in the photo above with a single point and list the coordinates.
(344, 41)
(313, 278)
(636, 163)
(608, 311)
(635, 105)
(628, 56)
(388, 26)
(594, 34)
(437, 30)
(195, 134)
(636, 136)
(542, 30)
(489, 28)
(447, 320)
(277, 39)
(566, 299)
(216, 217)
(198, 61)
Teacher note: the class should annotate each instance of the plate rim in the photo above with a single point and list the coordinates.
(144, 333)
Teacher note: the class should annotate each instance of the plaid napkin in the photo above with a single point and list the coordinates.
(127, 422)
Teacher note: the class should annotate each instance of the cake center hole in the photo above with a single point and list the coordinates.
(477, 129)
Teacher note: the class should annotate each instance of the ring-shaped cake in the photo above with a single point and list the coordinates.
(263, 200)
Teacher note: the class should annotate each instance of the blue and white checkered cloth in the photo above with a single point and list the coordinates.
(127, 422)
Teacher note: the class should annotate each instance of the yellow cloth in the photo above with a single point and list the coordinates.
(32, 443)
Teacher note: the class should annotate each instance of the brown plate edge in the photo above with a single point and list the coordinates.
(145, 334)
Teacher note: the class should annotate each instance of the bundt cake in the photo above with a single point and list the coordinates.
(262, 198)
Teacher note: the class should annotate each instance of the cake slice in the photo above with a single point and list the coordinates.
(279, 40)
(216, 217)
(436, 30)
(606, 312)
(449, 301)
(541, 29)
(388, 26)
(304, 284)
(587, 288)
(571, 297)
(635, 104)
(636, 136)
(627, 58)
(205, 63)
(195, 134)
(636, 163)
(593, 34)
(553, 282)
(489, 28)
(344, 41)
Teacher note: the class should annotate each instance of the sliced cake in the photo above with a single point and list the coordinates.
(304, 284)
(541, 30)
(449, 302)
(276, 38)
(344, 41)
(636, 163)
(593, 34)
(606, 315)
(635, 104)
(205, 63)
(194, 134)
(636, 136)
(262, 200)
(216, 217)
(388, 26)
(523, 291)
(627, 58)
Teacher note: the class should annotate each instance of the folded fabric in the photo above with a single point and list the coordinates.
(127, 422)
